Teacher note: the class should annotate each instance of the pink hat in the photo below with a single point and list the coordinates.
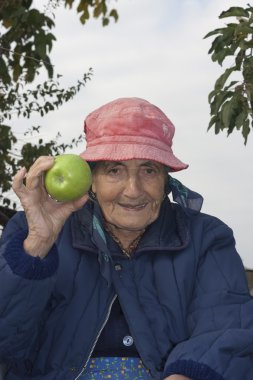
(130, 128)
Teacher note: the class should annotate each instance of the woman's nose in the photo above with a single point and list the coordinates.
(133, 187)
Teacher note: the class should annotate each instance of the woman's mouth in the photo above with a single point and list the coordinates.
(130, 207)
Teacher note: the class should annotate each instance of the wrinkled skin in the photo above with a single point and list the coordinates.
(130, 194)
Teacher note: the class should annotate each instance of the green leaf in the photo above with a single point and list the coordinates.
(247, 70)
(231, 112)
(69, 3)
(212, 94)
(99, 10)
(34, 17)
(82, 6)
(4, 74)
(219, 84)
(212, 121)
(114, 14)
(217, 45)
(30, 74)
(49, 67)
(244, 29)
(213, 32)
(235, 12)
(242, 45)
(248, 44)
(218, 127)
(41, 50)
(245, 131)
(226, 113)
(7, 23)
(239, 59)
(50, 38)
(17, 70)
(241, 118)
(231, 84)
(219, 100)
(249, 92)
(105, 21)
(84, 17)
(220, 56)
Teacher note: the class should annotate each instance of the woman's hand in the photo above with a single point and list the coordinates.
(177, 377)
(45, 216)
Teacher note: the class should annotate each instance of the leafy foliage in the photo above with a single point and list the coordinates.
(17, 99)
(231, 104)
(98, 7)
(46, 97)
(26, 42)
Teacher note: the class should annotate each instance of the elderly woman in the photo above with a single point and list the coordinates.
(124, 283)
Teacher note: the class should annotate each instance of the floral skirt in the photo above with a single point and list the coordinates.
(115, 368)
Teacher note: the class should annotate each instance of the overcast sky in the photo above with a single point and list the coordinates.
(156, 51)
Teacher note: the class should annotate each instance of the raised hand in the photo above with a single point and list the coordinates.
(45, 216)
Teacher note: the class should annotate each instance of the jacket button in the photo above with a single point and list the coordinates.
(117, 267)
(128, 340)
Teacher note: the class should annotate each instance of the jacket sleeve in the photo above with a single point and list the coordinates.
(220, 314)
(26, 284)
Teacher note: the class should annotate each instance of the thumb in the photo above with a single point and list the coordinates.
(78, 203)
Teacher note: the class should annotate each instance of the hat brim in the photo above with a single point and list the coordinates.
(124, 152)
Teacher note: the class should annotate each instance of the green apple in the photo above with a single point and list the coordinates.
(69, 178)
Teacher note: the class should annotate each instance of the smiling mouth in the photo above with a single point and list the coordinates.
(138, 207)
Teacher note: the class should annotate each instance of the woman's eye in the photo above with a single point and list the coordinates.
(114, 171)
(150, 171)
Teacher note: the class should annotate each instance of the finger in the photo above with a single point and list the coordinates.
(34, 177)
(72, 206)
(18, 181)
(78, 203)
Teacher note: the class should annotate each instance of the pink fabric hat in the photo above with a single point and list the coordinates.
(130, 128)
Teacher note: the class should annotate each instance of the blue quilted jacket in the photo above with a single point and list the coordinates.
(184, 295)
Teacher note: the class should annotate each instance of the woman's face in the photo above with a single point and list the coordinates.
(130, 192)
